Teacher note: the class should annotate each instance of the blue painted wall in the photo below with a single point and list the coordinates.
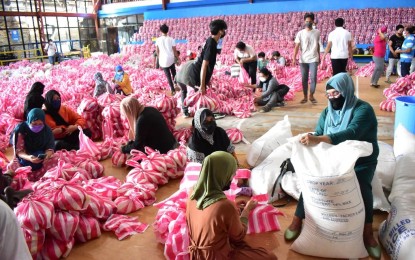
(234, 7)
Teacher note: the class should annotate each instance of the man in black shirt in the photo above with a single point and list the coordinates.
(198, 72)
(395, 42)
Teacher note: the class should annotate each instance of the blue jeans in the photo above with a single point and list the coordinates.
(51, 59)
(405, 67)
(307, 68)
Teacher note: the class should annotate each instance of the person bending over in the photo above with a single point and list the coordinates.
(64, 122)
(216, 227)
(346, 118)
(272, 92)
(147, 127)
(207, 137)
(246, 57)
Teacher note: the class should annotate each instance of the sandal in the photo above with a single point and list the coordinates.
(313, 100)
(374, 85)
(265, 109)
(304, 101)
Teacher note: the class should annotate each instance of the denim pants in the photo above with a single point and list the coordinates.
(307, 68)
(170, 74)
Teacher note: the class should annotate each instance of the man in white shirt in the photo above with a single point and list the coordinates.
(340, 44)
(166, 53)
(51, 50)
(12, 242)
(245, 56)
(308, 41)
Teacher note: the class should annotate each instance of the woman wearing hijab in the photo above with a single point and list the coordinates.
(101, 86)
(216, 227)
(207, 137)
(122, 81)
(147, 127)
(346, 118)
(64, 122)
(33, 142)
(379, 56)
(34, 98)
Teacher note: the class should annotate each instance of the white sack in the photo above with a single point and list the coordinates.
(263, 146)
(404, 180)
(264, 175)
(385, 170)
(334, 208)
(397, 232)
(404, 141)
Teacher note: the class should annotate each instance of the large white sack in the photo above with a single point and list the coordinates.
(263, 146)
(334, 208)
(397, 232)
(385, 170)
(404, 180)
(264, 175)
(404, 141)
(291, 184)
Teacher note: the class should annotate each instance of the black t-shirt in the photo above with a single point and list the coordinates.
(396, 43)
(209, 52)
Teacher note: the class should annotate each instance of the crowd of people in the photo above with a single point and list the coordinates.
(216, 227)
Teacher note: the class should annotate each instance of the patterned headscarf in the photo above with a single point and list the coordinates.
(199, 118)
(131, 108)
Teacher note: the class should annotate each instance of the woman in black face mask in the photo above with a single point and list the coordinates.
(346, 118)
(207, 137)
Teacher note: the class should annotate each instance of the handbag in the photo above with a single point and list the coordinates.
(277, 191)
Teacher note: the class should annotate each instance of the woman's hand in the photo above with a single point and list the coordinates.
(49, 154)
(251, 205)
(310, 139)
(35, 159)
(71, 129)
(57, 131)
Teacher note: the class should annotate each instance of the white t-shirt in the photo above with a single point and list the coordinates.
(281, 61)
(248, 53)
(309, 41)
(166, 55)
(51, 49)
(340, 39)
(12, 242)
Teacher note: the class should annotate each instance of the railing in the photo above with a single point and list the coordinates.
(11, 56)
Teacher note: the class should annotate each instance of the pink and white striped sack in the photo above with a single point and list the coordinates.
(66, 171)
(69, 196)
(128, 203)
(124, 226)
(146, 192)
(87, 146)
(264, 217)
(105, 186)
(35, 212)
(55, 249)
(139, 175)
(20, 178)
(191, 175)
(99, 207)
(177, 242)
(34, 240)
(64, 225)
(88, 229)
(119, 158)
(235, 135)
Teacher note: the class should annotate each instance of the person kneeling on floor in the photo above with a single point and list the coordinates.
(272, 92)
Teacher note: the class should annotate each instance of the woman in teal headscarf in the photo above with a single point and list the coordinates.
(346, 118)
(33, 143)
(216, 228)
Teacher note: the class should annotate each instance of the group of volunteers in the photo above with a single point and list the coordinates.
(216, 226)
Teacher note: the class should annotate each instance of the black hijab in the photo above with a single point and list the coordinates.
(202, 142)
(34, 98)
(50, 110)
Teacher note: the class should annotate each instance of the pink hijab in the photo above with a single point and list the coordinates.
(131, 109)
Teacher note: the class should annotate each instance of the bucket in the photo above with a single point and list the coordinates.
(405, 113)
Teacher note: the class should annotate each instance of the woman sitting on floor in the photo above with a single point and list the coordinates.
(216, 227)
(64, 122)
(207, 137)
(34, 98)
(147, 127)
(101, 86)
(33, 144)
(122, 82)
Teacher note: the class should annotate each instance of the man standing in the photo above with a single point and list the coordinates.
(340, 44)
(407, 51)
(198, 72)
(395, 43)
(246, 57)
(51, 50)
(308, 41)
(166, 53)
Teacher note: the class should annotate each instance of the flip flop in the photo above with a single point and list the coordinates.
(303, 101)
(313, 100)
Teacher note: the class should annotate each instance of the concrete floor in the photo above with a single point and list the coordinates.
(303, 118)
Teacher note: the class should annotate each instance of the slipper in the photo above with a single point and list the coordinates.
(313, 100)
(303, 101)
(374, 85)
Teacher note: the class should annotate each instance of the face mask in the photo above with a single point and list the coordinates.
(36, 128)
(56, 104)
(262, 79)
(209, 128)
(337, 103)
(314, 27)
(308, 24)
(119, 73)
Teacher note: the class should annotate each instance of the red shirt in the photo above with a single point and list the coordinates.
(380, 47)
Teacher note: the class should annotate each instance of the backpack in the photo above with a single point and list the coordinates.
(277, 191)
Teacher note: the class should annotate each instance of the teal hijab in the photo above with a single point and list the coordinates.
(217, 171)
(338, 120)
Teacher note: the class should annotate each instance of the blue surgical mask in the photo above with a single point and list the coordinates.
(56, 104)
(119, 73)
(36, 128)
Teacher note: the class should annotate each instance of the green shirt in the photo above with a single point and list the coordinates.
(262, 64)
(363, 126)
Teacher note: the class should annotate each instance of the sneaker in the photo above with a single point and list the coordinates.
(265, 109)
(388, 81)
(186, 114)
(218, 115)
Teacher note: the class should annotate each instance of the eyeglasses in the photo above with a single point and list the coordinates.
(334, 94)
